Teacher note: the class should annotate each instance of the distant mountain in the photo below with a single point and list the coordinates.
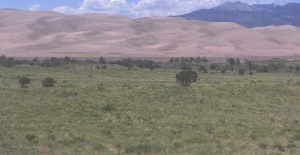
(238, 6)
(250, 15)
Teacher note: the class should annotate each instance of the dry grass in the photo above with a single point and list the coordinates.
(120, 111)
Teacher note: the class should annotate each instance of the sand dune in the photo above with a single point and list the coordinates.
(30, 34)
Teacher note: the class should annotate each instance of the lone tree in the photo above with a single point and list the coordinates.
(231, 61)
(24, 81)
(185, 78)
(102, 60)
(48, 82)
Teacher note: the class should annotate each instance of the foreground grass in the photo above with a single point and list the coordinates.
(119, 111)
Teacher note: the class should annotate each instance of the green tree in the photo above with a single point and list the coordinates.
(102, 60)
(185, 78)
(231, 61)
(48, 82)
(248, 64)
(67, 59)
(297, 68)
(171, 60)
(237, 62)
(24, 81)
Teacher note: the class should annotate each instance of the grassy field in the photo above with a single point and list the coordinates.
(120, 111)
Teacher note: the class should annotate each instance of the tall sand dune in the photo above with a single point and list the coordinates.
(45, 34)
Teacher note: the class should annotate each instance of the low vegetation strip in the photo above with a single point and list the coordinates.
(127, 109)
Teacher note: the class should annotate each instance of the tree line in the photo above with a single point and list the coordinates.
(202, 64)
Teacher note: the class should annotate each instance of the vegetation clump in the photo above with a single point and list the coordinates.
(241, 71)
(185, 78)
(102, 60)
(128, 62)
(7, 61)
(24, 81)
(48, 82)
(109, 108)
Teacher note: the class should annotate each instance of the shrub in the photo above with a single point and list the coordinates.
(213, 66)
(296, 137)
(231, 61)
(262, 145)
(279, 147)
(104, 67)
(177, 145)
(48, 82)
(99, 147)
(201, 68)
(241, 71)
(31, 63)
(291, 145)
(185, 78)
(102, 60)
(250, 73)
(205, 70)
(223, 70)
(31, 138)
(262, 69)
(109, 108)
(24, 81)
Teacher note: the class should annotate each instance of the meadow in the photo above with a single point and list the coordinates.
(143, 111)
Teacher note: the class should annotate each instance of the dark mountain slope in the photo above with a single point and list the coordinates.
(250, 15)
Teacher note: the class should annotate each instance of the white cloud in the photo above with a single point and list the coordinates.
(145, 8)
(66, 10)
(35, 7)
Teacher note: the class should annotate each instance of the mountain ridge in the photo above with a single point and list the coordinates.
(239, 6)
(249, 15)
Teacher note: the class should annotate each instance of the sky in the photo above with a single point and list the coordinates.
(130, 8)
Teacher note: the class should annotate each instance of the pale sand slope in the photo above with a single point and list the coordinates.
(42, 34)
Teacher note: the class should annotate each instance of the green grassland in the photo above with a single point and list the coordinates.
(143, 111)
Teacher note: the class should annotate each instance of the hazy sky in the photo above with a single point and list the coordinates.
(130, 8)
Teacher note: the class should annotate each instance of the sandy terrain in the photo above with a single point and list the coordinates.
(45, 34)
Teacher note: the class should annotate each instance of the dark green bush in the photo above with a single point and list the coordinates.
(296, 137)
(99, 147)
(30, 137)
(48, 82)
(241, 71)
(185, 78)
(262, 145)
(213, 66)
(262, 69)
(24, 81)
(109, 108)
(279, 147)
